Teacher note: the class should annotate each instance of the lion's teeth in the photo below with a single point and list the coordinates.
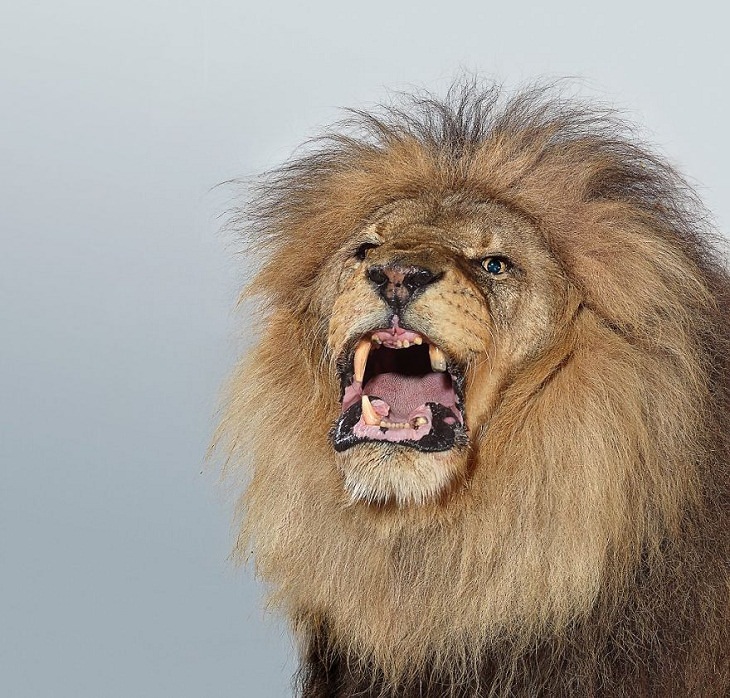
(369, 415)
(406, 344)
(419, 421)
(361, 358)
(438, 358)
(418, 340)
(385, 424)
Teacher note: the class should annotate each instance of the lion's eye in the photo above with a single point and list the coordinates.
(496, 265)
(362, 251)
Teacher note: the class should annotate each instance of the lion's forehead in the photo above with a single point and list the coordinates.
(457, 225)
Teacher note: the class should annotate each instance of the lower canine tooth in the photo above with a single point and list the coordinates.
(369, 415)
(419, 421)
(438, 358)
(361, 358)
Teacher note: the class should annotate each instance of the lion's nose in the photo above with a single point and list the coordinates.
(397, 283)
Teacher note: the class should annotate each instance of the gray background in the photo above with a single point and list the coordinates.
(116, 288)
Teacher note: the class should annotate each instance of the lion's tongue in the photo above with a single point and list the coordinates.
(405, 394)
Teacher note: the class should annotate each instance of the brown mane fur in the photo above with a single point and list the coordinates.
(587, 553)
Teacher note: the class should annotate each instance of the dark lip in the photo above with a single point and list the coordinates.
(445, 438)
(442, 438)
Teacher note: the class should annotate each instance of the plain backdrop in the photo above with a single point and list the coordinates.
(117, 120)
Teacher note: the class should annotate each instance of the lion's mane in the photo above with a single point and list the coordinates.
(587, 552)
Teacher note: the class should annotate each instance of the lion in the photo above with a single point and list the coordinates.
(485, 426)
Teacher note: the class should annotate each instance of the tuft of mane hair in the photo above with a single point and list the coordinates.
(586, 549)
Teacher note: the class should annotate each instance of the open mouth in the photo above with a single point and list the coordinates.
(399, 388)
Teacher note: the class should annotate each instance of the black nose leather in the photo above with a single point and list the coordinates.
(397, 283)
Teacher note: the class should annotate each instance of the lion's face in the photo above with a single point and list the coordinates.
(431, 312)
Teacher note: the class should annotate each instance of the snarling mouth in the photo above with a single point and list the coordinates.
(400, 388)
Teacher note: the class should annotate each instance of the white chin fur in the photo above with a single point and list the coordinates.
(401, 475)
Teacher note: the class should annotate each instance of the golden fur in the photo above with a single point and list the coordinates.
(577, 545)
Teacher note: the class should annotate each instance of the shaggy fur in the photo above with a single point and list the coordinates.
(578, 544)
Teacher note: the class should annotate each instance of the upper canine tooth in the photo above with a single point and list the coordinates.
(361, 358)
(418, 339)
(369, 415)
(438, 358)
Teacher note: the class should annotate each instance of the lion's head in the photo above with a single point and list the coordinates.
(483, 390)
(442, 300)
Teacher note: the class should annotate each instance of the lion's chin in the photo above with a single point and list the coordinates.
(385, 473)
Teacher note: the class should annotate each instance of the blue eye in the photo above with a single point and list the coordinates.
(495, 265)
